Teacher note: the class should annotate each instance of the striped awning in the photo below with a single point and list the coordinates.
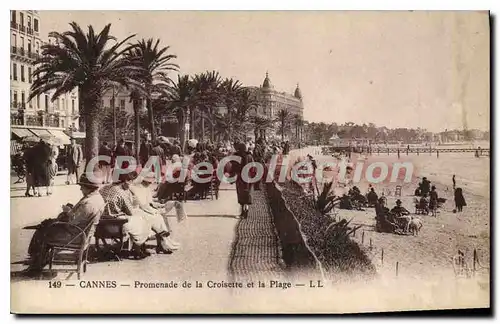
(15, 147)
(21, 132)
(40, 132)
(63, 138)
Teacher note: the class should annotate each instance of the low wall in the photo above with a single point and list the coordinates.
(295, 252)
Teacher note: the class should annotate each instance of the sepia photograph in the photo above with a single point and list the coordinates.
(249, 162)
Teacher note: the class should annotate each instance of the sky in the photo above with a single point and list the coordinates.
(394, 69)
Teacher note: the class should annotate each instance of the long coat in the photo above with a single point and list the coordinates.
(243, 188)
(41, 159)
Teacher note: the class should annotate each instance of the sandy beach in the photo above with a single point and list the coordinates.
(426, 259)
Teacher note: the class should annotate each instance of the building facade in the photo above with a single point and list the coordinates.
(40, 113)
(272, 101)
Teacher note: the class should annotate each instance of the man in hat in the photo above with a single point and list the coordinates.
(85, 213)
(74, 157)
(399, 210)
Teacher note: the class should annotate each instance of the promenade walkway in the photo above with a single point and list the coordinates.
(255, 252)
(206, 238)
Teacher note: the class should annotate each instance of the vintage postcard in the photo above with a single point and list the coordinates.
(181, 162)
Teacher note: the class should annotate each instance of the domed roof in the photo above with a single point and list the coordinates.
(297, 93)
(267, 83)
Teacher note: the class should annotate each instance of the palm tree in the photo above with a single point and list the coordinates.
(283, 118)
(206, 88)
(298, 122)
(155, 63)
(86, 61)
(261, 124)
(230, 89)
(180, 100)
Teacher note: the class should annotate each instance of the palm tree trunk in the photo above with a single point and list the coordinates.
(283, 132)
(137, 127)
(91, 133)
(151, 120)
(202, 126)
(230, 127)
(182, 130)
(191, 122)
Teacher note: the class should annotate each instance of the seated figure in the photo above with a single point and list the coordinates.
(372, 197)
(86, 212)
(122, 202)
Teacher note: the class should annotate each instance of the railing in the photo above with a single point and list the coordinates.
(16, 119)
(21, 50)
(13, 24)
(30, 31)
(33, 56)
(21, 27)
(13, 49)
(20, 105)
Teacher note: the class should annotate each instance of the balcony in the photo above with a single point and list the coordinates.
(13, 24)
(16, 119)
(13, 49)
(29, 31)
(21, 28)
(20, 50)
(33, 56)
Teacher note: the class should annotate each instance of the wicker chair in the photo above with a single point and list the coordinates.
(78, 243)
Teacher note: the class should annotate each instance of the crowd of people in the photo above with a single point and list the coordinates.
(143, 201)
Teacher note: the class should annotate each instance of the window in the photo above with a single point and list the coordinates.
(13, 40)
(29, 22)
(13, 17)
(63, 104)
(35, 21)
(23, 99)
(57, 104)
(62, 123)
(29, 75)
(122, 104)
(30, 103)
(38, 102)
(37, 48)
(21, 19)
(29, 47)
(73, 107)
(22, 43)
(15, 97)
(22, 73)
(14, 69)
(46, 102)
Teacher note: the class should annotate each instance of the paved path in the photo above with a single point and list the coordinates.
(255, 249)
(206, 237)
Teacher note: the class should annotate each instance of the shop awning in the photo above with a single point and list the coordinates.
(40, 132)
(21, 132)
(63, 138)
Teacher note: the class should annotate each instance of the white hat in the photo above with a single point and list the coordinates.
(192, 143)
